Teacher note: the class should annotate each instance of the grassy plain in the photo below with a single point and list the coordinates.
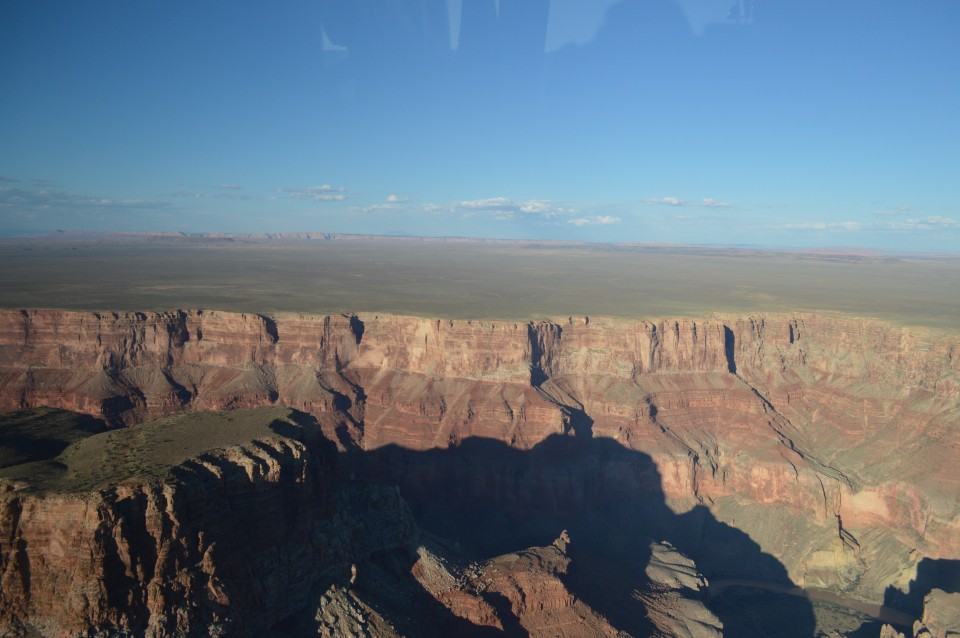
(99, 460)
(470, 280)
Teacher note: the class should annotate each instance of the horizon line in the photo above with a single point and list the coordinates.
(834, 251)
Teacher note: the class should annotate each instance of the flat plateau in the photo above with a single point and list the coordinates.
(465, 279)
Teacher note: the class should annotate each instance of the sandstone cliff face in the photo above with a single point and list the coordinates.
(125, 557)
(227, 542)
(833, 433)
(134, 367)
(941, 616)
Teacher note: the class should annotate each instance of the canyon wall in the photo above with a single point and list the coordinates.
(829, 440)
(216, 544)
(246, 523)
(236, 524)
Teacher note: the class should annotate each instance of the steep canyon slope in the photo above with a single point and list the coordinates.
(793, 448)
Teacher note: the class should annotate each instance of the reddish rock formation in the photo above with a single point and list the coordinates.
(941, 616)
(217, 542)
(827, 439)
(237, 523)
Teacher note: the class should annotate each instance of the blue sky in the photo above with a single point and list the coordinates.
(762, 122)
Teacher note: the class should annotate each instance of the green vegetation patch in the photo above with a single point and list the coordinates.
(149, 451)
(42, 433)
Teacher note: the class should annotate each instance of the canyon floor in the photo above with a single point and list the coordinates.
(465, 438)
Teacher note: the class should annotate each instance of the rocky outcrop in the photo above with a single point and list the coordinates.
(519, 593)
(670, 608)
(229, 539)
(827, 439)
(341, 612)
(532, 592)
(941, 616)
(940, 619)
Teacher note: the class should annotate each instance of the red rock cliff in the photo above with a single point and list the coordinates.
(834, 432)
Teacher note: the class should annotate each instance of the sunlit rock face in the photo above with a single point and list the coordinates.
(941, 615)
(829, 441)
(209, 533)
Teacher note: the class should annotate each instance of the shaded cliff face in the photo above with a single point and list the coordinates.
(238, 523)
(161, 531)
(203, 524)
(827, 440)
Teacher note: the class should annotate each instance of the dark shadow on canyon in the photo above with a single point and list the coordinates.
(943, 574)
(493, 499)
(37, 435)
(931, 574)
(386, 584)
(730, 348)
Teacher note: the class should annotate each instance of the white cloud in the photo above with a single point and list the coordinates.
(208, 195)
(706, 202)
(709, 202)
(322, 193)
(849, 225)
(391, 202)
(807, 226)
(667, 201)
(509, 209)
(516, 207)
(601, 220)
(892, 212)
(535, 206)
(327, 45)
(490, 203)
(230, 187)
(436, 208)
(195, 195)
(61, 205)
(937, 220)
(931, 222)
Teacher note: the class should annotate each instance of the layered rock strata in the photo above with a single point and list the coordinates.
(829, 440)
(238, 523)
(207, 524)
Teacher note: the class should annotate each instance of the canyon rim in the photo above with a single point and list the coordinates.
(579, 476)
